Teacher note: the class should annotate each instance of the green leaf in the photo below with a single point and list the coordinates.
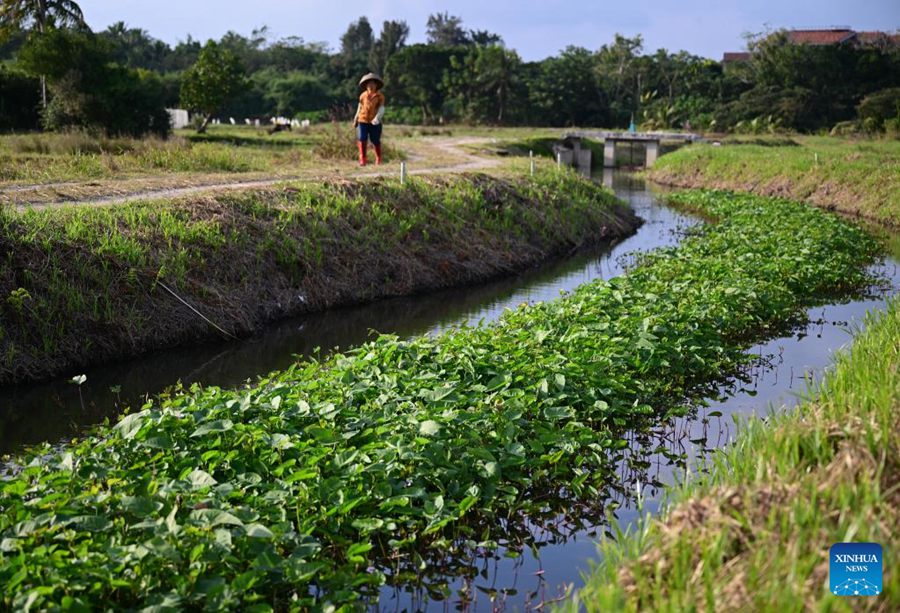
(467, 503)
(211, 427)
(496, 383)
(129, 425)
(429, 427)
(158, 442)
(491, 469)
(258, 531)
(163, 603)
(355, 552)
(141, 506)
(367, 525)
(302, 475)
(557, 413)
(300, 572)
(9, 545)
(89, 523)
(200, 479)
(215, 517)
(19, 576)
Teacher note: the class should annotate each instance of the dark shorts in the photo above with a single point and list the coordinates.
(368, 131)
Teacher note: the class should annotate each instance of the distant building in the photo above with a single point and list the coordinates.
(879, 39)
(732, 57)
(179, 118)
(835, 36)
(838, 35)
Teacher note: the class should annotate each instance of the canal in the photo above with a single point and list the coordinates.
(541, 559)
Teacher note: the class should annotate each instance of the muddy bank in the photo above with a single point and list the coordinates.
(87, 286)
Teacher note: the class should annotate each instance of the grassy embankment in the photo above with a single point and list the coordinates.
(81, 285)
(317, 483)
(858, 177)
(753, 532)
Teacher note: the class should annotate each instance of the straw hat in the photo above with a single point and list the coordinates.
(371, 77)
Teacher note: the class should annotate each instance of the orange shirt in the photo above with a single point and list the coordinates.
(369, 105)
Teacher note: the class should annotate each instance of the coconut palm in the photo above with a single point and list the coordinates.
(37, 16)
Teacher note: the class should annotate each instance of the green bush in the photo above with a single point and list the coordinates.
(88, 91)
(19, 100)
(406, 115)
(846, 128)
(892, 127)
(876, 109)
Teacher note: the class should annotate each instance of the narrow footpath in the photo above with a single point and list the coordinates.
(434, 155)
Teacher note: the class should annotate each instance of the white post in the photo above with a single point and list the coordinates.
(609, 153)
(402, 173)
(558, 159)
(531, 159)
(652, 152)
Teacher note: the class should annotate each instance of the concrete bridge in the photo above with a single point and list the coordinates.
(610, 138)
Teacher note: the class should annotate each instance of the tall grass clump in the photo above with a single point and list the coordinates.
(317, 484)
(77, 142)
(201, 157)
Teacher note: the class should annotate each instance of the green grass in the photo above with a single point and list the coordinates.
(78, 156)
(753, 533)
(51, 159)
(859, 177)
(316, 484)
(245, 258)
(46, 158)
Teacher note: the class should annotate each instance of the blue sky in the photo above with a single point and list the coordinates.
(534, 28)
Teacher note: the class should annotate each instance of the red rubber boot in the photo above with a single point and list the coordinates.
(362, 152)
(377, 154)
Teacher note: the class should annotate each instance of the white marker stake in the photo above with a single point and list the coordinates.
(559, 160)
(402, 173)
(531, 158)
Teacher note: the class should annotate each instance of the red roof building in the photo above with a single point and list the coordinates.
(736, 56)
(878, 39)
(820, 37)
(827, 36)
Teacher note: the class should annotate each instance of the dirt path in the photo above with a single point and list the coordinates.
(435, 155)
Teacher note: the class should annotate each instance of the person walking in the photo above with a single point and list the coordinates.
(369, 113)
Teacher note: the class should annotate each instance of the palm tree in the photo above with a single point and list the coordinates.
(37, 16)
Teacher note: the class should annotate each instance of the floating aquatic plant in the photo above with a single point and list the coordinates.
(297, 489)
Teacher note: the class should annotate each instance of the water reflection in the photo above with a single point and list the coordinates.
(541, 558)
(563, 546)
(526, 556)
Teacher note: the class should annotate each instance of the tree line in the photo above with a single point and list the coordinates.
(55, 73)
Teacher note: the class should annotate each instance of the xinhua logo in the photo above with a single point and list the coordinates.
(855, 569)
